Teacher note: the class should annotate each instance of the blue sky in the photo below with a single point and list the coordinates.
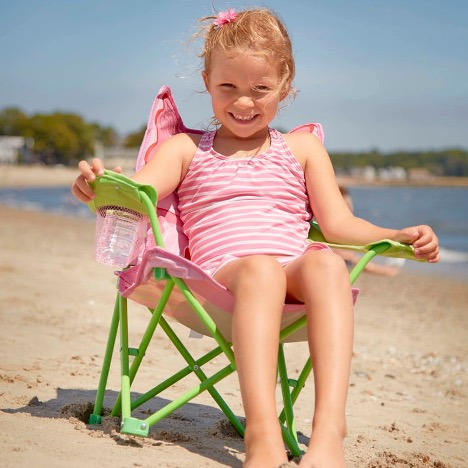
(385, 74)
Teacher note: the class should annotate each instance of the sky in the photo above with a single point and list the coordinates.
(378, 74)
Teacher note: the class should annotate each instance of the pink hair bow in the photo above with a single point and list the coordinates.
(225, 17)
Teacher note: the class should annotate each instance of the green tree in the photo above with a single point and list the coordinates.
(53, 140)
(13, 122)
(60, 137)
(84, 134)
(133, 140)
(105, 135)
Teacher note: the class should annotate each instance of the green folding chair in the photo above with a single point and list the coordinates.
(172, 287)
(202, 305)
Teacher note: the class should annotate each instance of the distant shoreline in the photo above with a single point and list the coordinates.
(59, 176)
(430, 182)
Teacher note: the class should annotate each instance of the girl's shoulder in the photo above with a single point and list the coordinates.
(185, 139)
(301, 138)
(180, 147)
(183, 144)
(303, 145)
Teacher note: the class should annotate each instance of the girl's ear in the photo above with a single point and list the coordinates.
(284, 92)
(205, 80)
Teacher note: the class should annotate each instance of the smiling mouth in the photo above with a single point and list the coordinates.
(243, 118)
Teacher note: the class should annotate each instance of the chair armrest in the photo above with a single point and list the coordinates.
(385, 247)
(116, 189)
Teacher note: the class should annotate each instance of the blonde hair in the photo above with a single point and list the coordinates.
(257, 29)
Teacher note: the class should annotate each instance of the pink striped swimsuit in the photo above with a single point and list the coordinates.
(235, 207)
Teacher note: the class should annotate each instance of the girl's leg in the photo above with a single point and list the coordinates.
(320, 280)
(259, 286)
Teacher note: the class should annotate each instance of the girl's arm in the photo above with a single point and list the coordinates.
(336, 220)
(168, 167)
(164, 172)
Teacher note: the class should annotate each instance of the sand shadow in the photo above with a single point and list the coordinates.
(198, 428)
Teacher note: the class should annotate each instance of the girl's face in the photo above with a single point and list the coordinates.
(244, 91)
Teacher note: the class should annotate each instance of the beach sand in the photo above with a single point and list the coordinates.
(408, 394)
(36, 176)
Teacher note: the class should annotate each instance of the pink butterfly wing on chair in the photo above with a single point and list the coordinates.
(164, 121)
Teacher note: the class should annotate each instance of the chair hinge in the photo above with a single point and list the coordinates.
(292, 383)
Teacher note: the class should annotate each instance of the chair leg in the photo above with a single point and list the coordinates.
(202, 376)
(289, 432)
(141, 427)
(124, 406)
(289, 398)
(207, 320)
(124, 360)
(145, 341)
(130, 425)
(298, 385)
(96, 417)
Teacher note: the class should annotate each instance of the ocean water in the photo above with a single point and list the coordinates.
(443, 208)
(57, 200)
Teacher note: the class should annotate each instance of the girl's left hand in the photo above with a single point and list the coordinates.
(424, 241)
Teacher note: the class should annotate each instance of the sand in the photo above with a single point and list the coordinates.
(36, 176)
(408, 394)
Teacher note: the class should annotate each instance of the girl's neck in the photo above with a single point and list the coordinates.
(232, 146)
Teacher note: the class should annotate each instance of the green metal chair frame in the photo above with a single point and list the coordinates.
(115, 189)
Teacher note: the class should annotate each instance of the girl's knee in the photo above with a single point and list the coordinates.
(261, 270)
(317, 272)
(262, 265)
(324, 263)
(332, 260)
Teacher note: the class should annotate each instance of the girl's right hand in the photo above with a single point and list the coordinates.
(80, 187)
(424, 241)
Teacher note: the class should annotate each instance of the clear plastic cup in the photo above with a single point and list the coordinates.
(120, 233)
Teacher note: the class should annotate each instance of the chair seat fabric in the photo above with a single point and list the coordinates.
(139, 284)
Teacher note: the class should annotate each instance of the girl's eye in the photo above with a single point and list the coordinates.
(262, 89)
(227, 85)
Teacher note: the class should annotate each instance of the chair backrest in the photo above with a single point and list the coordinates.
(164, 121)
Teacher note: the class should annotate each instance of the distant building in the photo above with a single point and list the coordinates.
(371, 174)
(366, 173)
(117, 156)
(14, 148)
(392, 173)
(420, 174)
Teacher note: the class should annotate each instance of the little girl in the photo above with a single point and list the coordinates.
(246, 196)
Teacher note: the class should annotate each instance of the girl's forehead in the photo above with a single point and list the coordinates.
(233, 54)
(247, 61)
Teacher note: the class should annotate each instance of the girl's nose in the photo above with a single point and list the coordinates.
(245, 102)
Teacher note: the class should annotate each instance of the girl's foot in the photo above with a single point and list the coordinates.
(264, 448)
(325, 451)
